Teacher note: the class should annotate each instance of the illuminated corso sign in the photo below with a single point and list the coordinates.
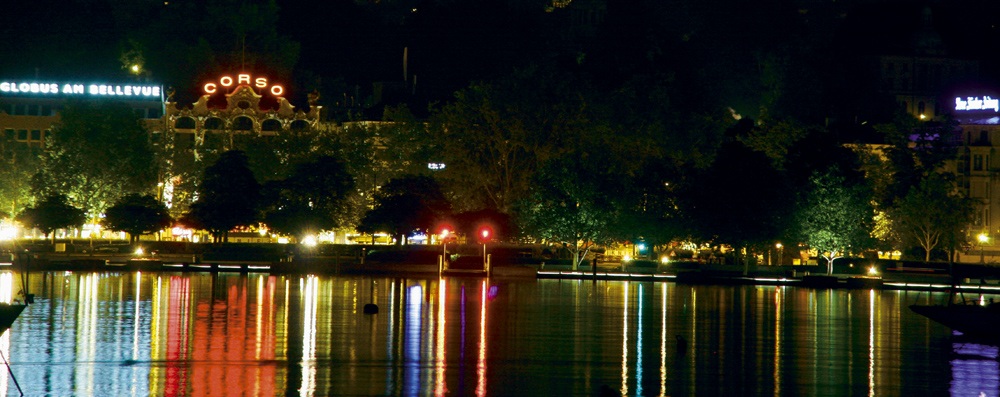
(18, 87)
(243, 79)
(974, 103)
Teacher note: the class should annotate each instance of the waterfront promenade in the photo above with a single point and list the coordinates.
(973, 278)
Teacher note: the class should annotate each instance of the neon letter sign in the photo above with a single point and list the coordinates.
(243, 79)
(974, 103)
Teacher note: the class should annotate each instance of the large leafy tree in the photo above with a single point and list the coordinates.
(406, 205)
(495, 136)
(228, 197)
(835, 217)
(573, 203)
(53, 212)
(137, 215)
(98, 152)
(932, 214)
(741, 200)
(313, 199)
(18, 161)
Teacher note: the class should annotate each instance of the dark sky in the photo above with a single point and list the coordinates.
(356, 42)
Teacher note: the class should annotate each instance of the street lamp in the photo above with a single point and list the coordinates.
(778, 246)
(444, 243)
(484, 236)
(982, 240)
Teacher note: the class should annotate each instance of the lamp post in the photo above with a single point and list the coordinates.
(982, 240)
(444, 245)
(484, 236)
(778, 246)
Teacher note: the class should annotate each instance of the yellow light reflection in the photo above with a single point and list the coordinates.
(481, 365)
(777, 341)
(135, 325)
(441, 389)
(625, 342)
(871, 342)
(310, 298)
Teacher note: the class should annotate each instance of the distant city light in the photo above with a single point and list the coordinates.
(435, 166)
(309, 241)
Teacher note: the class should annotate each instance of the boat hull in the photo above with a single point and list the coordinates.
(967, 319)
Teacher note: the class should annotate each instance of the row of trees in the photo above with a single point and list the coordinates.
(548, 155)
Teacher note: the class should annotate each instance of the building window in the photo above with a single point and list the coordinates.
(213, 123)
(46, 110)
(154, 113)
(36, 135)
(184, 123)
(982, 217)
(22, 135)
(977, 162)
(300, 125)
(32, 110)
(243, 124)
(7, 108)
(270, 125)
(48, 135)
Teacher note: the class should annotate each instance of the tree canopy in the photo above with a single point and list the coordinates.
(406, 205)
(53, 212)
(313, 199)
(137, 215)
(98, 152)
(228, 197)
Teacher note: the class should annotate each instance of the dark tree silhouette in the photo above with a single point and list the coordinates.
(54, 212)
(228, 197)
(137, 215)
(312, 199)
(406, 205)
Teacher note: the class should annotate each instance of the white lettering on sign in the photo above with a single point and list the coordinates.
(243, 79)
(78, 89)
(974, 103)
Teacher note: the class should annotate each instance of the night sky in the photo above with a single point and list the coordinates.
(352, 43)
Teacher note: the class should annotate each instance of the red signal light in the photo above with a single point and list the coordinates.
(485, 234)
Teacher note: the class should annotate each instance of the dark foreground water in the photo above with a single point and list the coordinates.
(257, 335)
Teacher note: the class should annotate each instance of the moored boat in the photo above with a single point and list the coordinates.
(969, 319)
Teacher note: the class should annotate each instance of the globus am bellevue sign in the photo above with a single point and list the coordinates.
(23, 87)
(243, 79)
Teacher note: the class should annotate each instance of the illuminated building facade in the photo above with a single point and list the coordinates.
(245, 112)
(29, 109)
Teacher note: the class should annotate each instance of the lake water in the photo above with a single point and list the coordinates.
(142, 334)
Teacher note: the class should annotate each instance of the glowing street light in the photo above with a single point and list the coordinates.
(983, 238)
(779, 246)
(485, 233)
(444, 243)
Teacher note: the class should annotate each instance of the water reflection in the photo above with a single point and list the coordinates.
(258, 334)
